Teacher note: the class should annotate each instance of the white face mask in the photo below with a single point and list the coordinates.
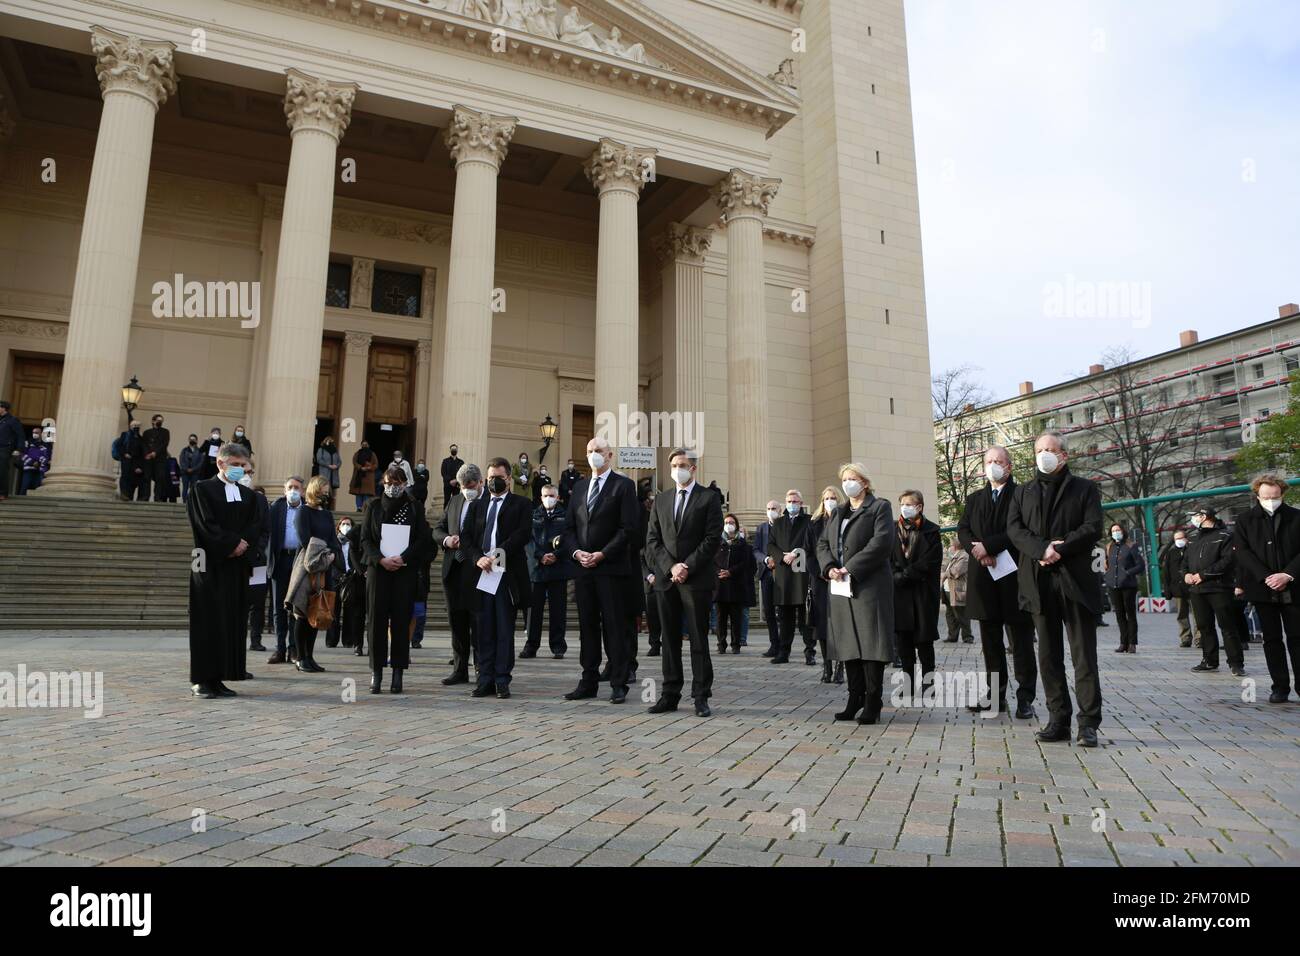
(344, 528)
(908, 512)
(247, 481)
(773, 514)
(216, 436)
(596, 460)
(294, 496)
(681, 475)
(239, 434)
(729, 528)
(793, 508)
(1270, 504)
(397, 458)
(851, 487)
(469, 493)
(994, 472)
(830, 504)
(549, 501)
(1117, 535)
(1047, 462)
(1180, 542)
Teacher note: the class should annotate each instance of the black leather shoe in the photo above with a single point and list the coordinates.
(417, 644)
(223, 691)
(810, 658)
(481, 691)
(503, 691)
(839, 673)
(1238, 671)
(869, 716)
(360, 651)
(770, 652)
(258, 646)
(662, 706)
(653, 652)
(248, 675)
(276, 658)
(558, 657)
(1278, 698)
(1202, 666)
(526, 653)
(1087, 736)
(854, 705)
(1053, 733)
(702, 708)
(950, 640)
(302, 666)
(618, 695)
(826, 671)
(1184, 643)
(1121, 649)
(580, 693)
(968, 640)
(603, 675)
(314, 667)
(459, 678)
(395, 685)
(781, 659)
(377, 682)
(1025, 712)
(203, 691)
(722, 648)
(631, 676)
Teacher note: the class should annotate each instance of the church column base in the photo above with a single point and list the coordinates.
(78, 483)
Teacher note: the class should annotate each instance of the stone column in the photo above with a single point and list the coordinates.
(136, 76)
(618, 172)
(744, 198)
(420, 443)
(478, 143)
(352, 401)
(318, 112)
(681, 254)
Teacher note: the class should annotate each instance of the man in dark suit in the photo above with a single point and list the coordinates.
(450, 483)
(569, 479)
(787, 554)
(1055, 522)
(155, 440)
(1267, 546)
(600, 527)
(982, 532)
(282, 547)
(446, 531)
(682, 543)
(494, 540)
(762, 535)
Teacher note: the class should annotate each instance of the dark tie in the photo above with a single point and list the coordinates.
(491, 520)
(681, 506)
(996, 492)
(595, 492)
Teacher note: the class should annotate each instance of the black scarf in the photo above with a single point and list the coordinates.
(1052, 485)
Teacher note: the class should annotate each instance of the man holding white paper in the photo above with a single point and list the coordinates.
(993, 590)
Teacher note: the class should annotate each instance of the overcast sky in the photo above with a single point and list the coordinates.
(1102, 173)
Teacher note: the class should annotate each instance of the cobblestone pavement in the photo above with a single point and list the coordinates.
(288, 773)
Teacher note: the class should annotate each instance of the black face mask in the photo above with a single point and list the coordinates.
(497, 485)
(194, 441)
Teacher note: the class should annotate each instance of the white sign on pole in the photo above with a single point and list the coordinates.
(631, 456)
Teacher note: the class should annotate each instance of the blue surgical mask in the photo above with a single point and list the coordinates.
(294, 496)
(793, 507)
(234, 473)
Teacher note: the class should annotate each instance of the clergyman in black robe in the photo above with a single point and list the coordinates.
(226, 519)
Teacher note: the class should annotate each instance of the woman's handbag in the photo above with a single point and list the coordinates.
(320, 604)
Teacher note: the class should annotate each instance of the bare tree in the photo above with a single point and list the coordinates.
(960, 435)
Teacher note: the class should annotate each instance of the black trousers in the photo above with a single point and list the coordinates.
(155, 470)
(789, 615)
(601, 623)
(256, 613)
(390, 600)
(680, 606)
(866, 681)
(1272, 619)
(730, 614)
(553, 597)
(464, 624)
(1021, 638)
(769, 613)
(1209, 607)
(909, 651)
(1125, 603)
(7, 471)
(652, 622)
(1059, 616)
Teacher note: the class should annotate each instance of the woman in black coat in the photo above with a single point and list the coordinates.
(1125, 566)
(735, 589)
(350, 609)
(315, 520)
(391, 581)
(832, 500)
(916, 559)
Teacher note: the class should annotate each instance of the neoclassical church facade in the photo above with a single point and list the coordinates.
(419, 222)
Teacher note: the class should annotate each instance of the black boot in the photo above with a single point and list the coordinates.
(311, 654)
(377, 681)
(826, 672)
(395, 686)
(856, 702)
(839, 673)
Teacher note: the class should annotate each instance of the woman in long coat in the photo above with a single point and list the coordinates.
(328, 462)
(856, 545)
(362, 485)
(916, 557)
(832, 501)
(735, 589)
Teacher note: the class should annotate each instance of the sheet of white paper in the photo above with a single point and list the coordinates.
(212, 451)
(232, 492)
(258, 576)
(490, 580)
(394, 539)
(1002, 566)
(844, 587)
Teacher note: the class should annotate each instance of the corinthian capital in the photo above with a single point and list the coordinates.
(128, 64)
(478, 137)
(683, 243)
(311, 103)
(614, 166)
(743, 194)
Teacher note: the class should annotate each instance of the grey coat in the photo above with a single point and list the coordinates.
(313, 559)
(861, 627)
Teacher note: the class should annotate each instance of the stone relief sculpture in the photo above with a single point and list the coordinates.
(574, 30)
(784, 75)
(542, 18)
(635, 51)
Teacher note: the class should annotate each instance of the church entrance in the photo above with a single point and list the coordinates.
(36, 390)
(390, 384)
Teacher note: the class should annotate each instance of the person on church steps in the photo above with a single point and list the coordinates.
(400, 461)
(735, 593)
(314, 520)
(12, 444)
(1055, 522)
(855, 547)
(495, 541)
(420, 490)
(787, 556)
(241, 438)
(569, 479)
(917, 558)
(156, 440)
(549, 569)
(35, 463)
(460, 612)
(131, 483)
(328, 463)
(191, 462)
(832, 503)
(1267, 546)
(449, 468)
(423, 576)
(391, 578)
(1125, 566)
(600, 526)
(681, 546)
(521, 477)
(226, 520)
(209, 450)
(364, 465)
(995, 603)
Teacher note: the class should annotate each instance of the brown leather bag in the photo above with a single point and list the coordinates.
(320, 604)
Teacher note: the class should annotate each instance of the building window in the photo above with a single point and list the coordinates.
(1091, 414)
(338, 284)
(1291, 363)
(396, 293)
(1258, 369)
(1164, 395)
(1223, 381)
(1069, 418)
(1263, 413)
